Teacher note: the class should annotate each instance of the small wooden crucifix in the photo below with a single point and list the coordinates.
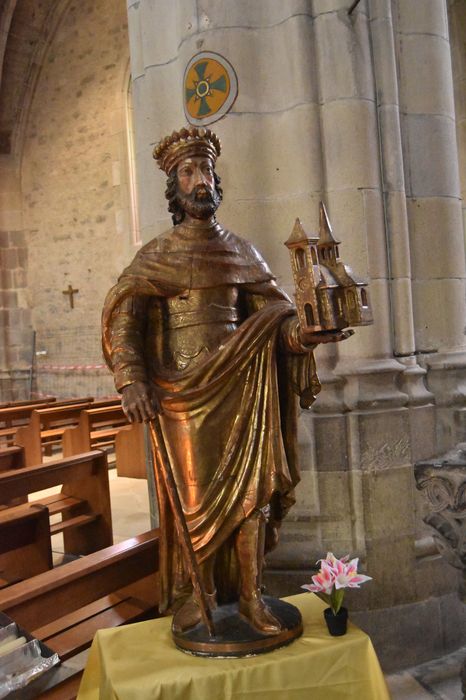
(70, 292)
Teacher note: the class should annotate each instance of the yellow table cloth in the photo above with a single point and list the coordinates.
(141, 662)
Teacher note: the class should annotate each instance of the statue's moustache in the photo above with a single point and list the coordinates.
(201, 193)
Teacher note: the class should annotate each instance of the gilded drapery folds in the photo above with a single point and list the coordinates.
(199, 316)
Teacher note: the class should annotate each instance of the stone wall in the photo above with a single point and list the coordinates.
(75, 198)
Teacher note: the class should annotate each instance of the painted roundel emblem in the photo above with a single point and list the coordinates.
(210, 88)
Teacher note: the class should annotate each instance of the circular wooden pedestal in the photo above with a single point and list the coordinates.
(235, 637)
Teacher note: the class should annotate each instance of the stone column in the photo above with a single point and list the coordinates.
(457, 25)
(433, 204)
(15, 321)
(375, 415)
(271, 167)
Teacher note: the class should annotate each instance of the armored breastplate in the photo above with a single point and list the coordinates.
(184, 329)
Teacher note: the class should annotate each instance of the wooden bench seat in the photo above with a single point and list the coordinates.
(65, 607)
(84, 501)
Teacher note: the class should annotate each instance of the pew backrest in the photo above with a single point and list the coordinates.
(12, 458)
(25, 544)
(84, 501)
(46, 426)
(42, 600)
(96, 427)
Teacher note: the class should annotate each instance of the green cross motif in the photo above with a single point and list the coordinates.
(203, 88)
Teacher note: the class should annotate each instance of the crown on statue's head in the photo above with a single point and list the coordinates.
(193, 141)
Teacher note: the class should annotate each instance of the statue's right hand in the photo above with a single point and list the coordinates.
(139, 402)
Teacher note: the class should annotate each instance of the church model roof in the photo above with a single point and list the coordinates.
(337, 275)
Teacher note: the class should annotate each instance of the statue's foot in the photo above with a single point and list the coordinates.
(259, 614)
(189, 615)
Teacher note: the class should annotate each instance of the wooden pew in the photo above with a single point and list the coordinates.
(84, 501)
(12, 458)
(104, 427)
(28, 402)
(47, 425)
(66, 606)
(14, 417)
(25, 545)
(96, 428)
(130, 455)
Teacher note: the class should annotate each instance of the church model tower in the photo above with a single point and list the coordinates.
(328, 295)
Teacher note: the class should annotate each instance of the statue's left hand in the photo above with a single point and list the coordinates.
(326, 337)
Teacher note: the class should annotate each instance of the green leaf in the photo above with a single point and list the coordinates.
(337, 599)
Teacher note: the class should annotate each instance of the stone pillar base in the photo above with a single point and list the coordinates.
(15, 384)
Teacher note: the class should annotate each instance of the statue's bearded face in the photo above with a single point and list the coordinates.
(193, 188)
(197, 193)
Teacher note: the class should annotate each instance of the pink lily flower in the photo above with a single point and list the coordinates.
(335, 575)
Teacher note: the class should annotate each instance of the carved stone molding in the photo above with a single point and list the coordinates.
(413, 383)
(443, 482)
(446, 377)
(371, 384)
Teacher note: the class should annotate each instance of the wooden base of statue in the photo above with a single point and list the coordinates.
(235, 637)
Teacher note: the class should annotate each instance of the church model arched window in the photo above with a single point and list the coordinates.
(352, 300)
(300, 256)
(310, 317)
(340, 305)
(314, 256)
(364, 301)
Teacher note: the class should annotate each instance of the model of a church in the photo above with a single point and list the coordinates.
(328, 295)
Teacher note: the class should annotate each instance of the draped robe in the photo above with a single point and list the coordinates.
(229, 417)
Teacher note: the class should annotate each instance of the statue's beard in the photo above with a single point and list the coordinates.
(201, 203)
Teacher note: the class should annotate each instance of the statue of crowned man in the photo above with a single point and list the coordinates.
(200, 337)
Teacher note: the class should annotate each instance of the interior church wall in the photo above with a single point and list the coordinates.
(75, 195)
(355, 110)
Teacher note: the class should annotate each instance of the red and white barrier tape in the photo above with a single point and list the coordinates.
(69, 368)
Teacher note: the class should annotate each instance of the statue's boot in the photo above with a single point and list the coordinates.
(259, 614)
(189, 615)
(250, 552)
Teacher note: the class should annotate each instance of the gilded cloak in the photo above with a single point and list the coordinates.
(229, 423)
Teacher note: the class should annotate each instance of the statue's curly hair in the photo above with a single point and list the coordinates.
(171, 191)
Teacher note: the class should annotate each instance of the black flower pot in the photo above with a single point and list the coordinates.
(337, 624)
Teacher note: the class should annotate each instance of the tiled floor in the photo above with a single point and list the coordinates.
(436, 679)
